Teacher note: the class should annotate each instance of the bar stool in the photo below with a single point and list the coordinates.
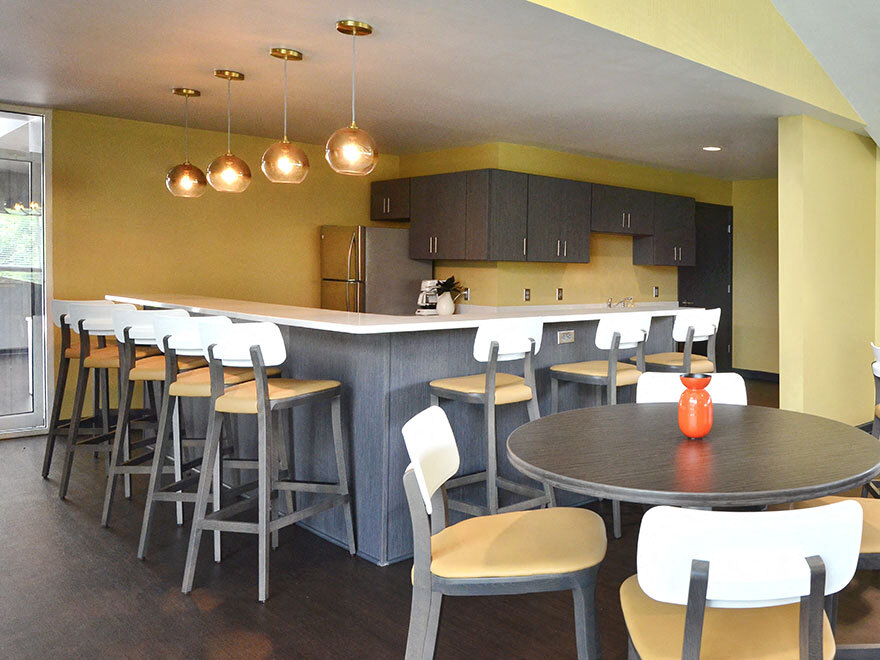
(88, 320)
(181, 336)
(133, 329)
(501, 340)
(614, 332)
(690, 326)
(70, 351)
(254, 346)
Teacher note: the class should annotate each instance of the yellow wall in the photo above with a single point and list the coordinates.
(748, 39)
(827, 266)
(756, 275)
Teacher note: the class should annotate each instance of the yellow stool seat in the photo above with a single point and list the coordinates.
(197, 383)
(700, 364)
(870, 520)
(108, 357)
(243, 398)
(877, 410)
(520, 543)
(627, 374)
(508, 388)
(761, 633)
(153, 367)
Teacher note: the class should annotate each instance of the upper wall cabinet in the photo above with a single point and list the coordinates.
(389, 200)
(558, 220)
(438, 216)
(622, 210)
(673, 242)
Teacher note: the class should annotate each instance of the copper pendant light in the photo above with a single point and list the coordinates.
(186, 180)
(229, 173)
(351, 150)
(284, 162)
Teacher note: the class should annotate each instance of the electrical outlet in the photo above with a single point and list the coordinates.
(467, 294)
(527, 294)
(559, 293)
(565, 337)
(656, 291)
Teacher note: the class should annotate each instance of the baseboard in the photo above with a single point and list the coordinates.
(750, 374)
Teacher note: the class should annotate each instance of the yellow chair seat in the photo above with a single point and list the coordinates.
(870, 520)
(243, 398)
(761, 633)
(72, 352)
(108, 357)
(520, 543)
(877, 410)
(700, 364)
(508, 388)
(197, 383)
(627, 374)
(153, 367)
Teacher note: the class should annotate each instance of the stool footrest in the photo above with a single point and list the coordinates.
(137, 460)
(469, 509)
(130, 469)
(308, 487)
(308, 512)
(231, 510)
(192, 442)
(179, 485)
(466, 480)
(238, 526)
(241, 464)
(520, 489)
(524, 505)
(176, 497)
(96, 439)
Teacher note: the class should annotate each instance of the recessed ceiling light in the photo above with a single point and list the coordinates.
(711, 148)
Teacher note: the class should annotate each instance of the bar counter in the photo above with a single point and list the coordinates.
(385, 364)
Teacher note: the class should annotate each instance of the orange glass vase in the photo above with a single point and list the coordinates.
(695, 406)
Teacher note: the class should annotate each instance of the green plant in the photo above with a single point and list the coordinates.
(450, 286)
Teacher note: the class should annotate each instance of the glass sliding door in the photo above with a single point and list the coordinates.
(22, 273)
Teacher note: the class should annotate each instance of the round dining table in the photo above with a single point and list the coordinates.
(752, 456)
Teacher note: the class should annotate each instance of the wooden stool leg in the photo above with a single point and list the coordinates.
(212, 445)
(433, 625)
(73, 431)
(341, 469)
(156, 471)
(264, 510)
(491, 458)
(60, 384)
(175, 448)
(117, 455)
(586, 621)
(615, 515)
(217, 491)
(274, 454)
(105, 399)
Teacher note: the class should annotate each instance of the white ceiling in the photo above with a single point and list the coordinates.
(843, 36)
(435, 74)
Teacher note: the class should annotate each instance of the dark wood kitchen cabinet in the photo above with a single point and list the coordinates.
(558, 220)
(622, 210)
(674, 241)
(438, 220)
(390, 200)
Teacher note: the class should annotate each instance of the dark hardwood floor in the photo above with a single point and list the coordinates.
(71, 589)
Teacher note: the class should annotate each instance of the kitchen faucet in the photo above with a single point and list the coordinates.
(623, 302)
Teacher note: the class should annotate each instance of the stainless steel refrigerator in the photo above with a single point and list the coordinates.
(368, 269)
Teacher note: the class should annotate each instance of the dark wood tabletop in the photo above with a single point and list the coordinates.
(753, 455)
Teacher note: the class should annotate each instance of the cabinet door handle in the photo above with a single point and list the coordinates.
(435, 245)
(558, 247)
(623, 222)
(565, 248)
(430, 244)
(629, 220)
(387, 205)
(524, 246)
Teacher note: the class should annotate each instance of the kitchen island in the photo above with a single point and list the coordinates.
(384, 364)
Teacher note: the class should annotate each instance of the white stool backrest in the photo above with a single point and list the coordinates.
(704, 322)
(60, 307)
(875, 366)
(140, 323)
(513, 337)
(756, 558)
(97, 318)
(184, 332)
(657, 387)
(632, 326)
(233, 348)
(432, 451)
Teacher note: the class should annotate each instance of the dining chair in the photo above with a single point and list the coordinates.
(744, 585)
(875, 368)
(502, 340)
(690, 325)
(556, 549)
(724, 388)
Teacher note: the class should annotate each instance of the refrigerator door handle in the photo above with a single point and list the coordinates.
(347, 303)
(348, 263)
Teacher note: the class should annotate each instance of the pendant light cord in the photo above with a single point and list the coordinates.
(285, 99)
(186, 129)
(353, 70)
(228, 115)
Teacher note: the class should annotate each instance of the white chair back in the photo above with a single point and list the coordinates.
(657, 387)
(432, 451)
(704, 322)
(756, 559)
(140, 323)
(513, 337)
(97, 318)
(232, 344)
(632, 326)
(184, 332)
(60, 307)
(875, 366)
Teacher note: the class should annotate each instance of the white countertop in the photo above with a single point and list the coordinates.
(469, 316)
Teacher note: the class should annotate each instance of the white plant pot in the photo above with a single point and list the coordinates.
(445, 304)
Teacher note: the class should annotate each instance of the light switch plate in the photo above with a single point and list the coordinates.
(467, 294)
(559, 293)
(656, 291)
(527, 294)
(565, 337)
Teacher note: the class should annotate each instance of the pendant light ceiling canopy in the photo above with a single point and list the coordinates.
(284, 162)
(229, 173)
(351, 150)
(186, 180)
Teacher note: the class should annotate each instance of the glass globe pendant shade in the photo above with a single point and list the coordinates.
(186, 180)
(284, 162)
(228, 173)
(351, 151)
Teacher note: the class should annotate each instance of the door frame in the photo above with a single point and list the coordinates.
(48, 274)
